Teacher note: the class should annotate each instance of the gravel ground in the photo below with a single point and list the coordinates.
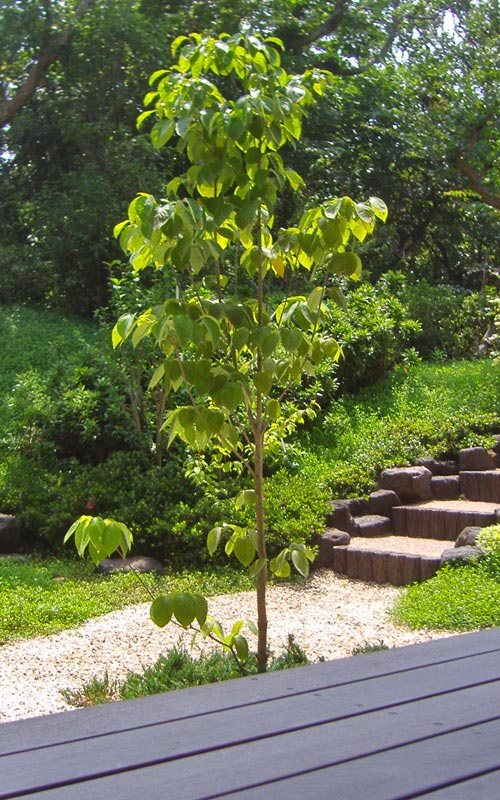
(329, 615)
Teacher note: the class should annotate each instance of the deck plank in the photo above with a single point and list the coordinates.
(313, 745)
(90, 722)
(405, 773)
(419, 721)
(482, 787)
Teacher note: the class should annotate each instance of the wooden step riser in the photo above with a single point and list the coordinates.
(398, 569)
(430, 523)
(481, 486)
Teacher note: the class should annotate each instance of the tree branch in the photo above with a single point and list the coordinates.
(332, 24)
(344, 72)
(46, 57)
(474, 178)
(329, 26)
(476, 184)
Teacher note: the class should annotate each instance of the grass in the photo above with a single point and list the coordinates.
(44, 596)
(456, 598)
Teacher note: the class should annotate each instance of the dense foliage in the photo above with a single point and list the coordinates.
(421, 409)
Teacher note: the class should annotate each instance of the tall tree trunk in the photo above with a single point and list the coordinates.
(261, 542)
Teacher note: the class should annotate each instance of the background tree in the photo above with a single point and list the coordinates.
(69, 163)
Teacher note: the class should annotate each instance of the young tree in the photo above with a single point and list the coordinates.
(233, 108)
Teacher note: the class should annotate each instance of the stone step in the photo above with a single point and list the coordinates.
(398, 569)
(442, 519)
(481, 485)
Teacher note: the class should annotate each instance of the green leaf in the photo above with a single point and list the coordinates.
(122, 329)
(213, 539)
(245, 215)
(184, 328)
(161, 610)
(300, 562)
(279, 565)
(184, 608)
(379, 208)
(244, 550)
(161, 132)
(291, 339)
(294, 179)
(257, 567)
(240, 644)
(246, 498)
(240, 338)
(178, 41)
(263, 382)
(273, 409)
(315, 298)
(158, 374)
(344, 263)
(201, 609)
(334, 293)
(230, 396)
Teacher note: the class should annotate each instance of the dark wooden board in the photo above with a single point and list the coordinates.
(75, 725)
(481, 787)
(228, 767)
(406, 773)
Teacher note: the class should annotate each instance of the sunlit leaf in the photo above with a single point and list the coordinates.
(161, 610)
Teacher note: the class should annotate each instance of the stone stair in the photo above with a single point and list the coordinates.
(442, 519)
(423, 512)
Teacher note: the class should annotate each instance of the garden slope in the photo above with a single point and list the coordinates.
(329, 615)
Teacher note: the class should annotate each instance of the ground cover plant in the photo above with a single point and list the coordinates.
(40, 596)
(422, 409)
(177, 669)
(456, 598)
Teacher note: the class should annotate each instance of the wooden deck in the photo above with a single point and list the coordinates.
(419, 721)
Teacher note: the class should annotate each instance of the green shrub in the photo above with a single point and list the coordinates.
(489, 539)
(370, 647)
(429, 409)
(374, 331)
(452, 320)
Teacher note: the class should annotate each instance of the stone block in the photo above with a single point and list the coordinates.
(10, 534)
(411, 484)
(326, 544)
(473, 459)
(438, 467)
(468, 537)
(458, 556)
(136, 563)
(445, 487)
(340, 516)
(372, 525)
(382, 502)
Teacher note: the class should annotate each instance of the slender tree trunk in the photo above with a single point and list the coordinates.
(261, 543)
(259, 478)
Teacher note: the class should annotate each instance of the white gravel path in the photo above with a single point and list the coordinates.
(329, 615)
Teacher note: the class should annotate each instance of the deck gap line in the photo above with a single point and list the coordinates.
(296, 693)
